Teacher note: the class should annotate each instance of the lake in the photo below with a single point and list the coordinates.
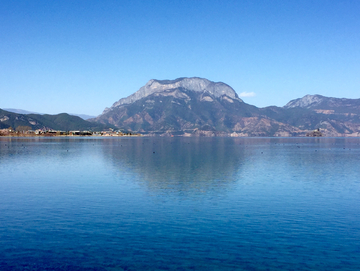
(143, 203)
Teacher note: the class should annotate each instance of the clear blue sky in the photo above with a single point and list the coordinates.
(82, 56)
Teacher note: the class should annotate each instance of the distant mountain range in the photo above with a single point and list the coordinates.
(62, 121)
(200, 107)
(197, 106)
(21, 111)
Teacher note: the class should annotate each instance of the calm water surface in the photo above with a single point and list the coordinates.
(179, 204)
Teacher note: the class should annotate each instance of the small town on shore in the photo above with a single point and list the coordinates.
(50, 132)
(10, 132)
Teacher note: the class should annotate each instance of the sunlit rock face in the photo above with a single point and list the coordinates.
(162, 87)
(326, 105)
(183, 105)
(306, 101)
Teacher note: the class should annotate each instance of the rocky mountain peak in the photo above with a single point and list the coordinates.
(305, 102)
(196, 84)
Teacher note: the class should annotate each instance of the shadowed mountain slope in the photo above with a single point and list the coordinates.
(62, 121)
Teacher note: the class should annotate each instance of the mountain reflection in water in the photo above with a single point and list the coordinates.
(181, 164)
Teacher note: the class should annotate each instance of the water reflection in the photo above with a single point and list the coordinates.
(215, 164)
(187, 164)
(181, 164)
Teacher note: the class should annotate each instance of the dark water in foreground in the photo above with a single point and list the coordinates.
(179, 204)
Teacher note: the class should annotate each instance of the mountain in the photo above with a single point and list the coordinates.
(197, 106)
(326, 105)
(21, 111)
(62, 121)
(194, 84)
(336, 116)
(177, 106)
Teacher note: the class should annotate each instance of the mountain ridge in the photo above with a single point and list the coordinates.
(193, 83)
(198, 106)
(26, 112)
(322, 103)
(61, 121)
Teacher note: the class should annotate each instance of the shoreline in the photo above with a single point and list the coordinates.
(187, 136)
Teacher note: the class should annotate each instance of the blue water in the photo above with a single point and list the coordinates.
(179, 203)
